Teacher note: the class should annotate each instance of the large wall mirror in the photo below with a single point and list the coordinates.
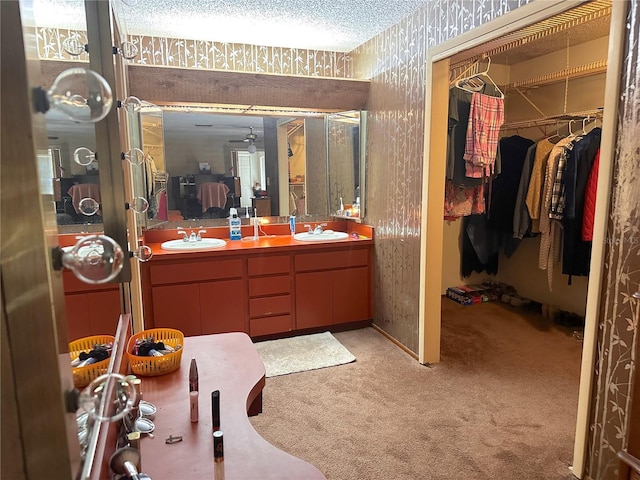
(199, 163)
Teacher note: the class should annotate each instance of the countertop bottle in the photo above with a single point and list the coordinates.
(193, 376)
(235, 231)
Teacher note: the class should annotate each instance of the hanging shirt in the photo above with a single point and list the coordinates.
(549, 227)
(534, 191)
(521, 218)
(589, 210)
(459, 108)
(505, 187)
(486, 116)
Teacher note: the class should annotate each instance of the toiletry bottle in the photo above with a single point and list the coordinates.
(292, 224)
(193, 376)
(235, 232)
(193, 390)
(341, 211)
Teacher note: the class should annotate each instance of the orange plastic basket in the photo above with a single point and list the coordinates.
(154, 366)
(82, 376)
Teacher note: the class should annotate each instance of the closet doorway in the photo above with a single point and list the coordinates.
(531, 25)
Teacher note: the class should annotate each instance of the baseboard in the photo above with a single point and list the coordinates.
(394, 341)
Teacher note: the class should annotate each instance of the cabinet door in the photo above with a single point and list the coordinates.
(314, 299)
(77, 307)
(94, 313)
(351, 301)
(177, 306)
(105, 311)
(223, 307)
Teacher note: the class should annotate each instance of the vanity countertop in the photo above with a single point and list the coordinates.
(276, 238)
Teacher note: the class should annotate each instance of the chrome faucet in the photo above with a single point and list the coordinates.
(193, 237)
(185, 237)
(310, 230)
(318, 229)
(198, 236)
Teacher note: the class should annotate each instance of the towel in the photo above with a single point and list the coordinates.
(212, 194)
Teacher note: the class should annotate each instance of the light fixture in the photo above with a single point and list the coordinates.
(83, 156)
(94, 259)
(79, 93)
(251, 148)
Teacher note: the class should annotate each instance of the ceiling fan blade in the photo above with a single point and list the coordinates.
(238, 141)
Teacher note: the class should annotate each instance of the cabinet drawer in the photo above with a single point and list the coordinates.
(269, 325)
(269, 265)
(259, 287)
(331, 260)
(267, 306)
(195, 271)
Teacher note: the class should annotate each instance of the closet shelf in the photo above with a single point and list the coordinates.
(585, 70)
(553, 119)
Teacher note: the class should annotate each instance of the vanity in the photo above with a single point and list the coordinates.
(272, 286)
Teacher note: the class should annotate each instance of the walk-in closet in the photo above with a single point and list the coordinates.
(515, 162)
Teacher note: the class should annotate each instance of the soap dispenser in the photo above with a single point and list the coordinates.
(235, 232)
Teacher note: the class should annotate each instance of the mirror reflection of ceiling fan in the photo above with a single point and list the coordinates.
(250, 139)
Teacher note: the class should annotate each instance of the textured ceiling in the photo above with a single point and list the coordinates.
(338, 25)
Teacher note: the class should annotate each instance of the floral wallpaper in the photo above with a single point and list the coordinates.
(618, 328)
(50, 43)
(206, 55)
(395, 61)
(238, 57)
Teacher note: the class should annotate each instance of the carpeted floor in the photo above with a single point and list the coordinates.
(501, 404)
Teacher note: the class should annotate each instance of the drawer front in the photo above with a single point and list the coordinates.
(196, 271)
(260, 287)
(268, 306)
(329, 260)
(269, 265)
(270, 325)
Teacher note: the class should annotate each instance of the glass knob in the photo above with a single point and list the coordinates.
(132, 104)
(135, 156)
(108, 398)
(79, 93)
(143, 254)
(83, 156)
(128, 50)
(138, 205)
(74, 46)
(94, 259)
(88, 206)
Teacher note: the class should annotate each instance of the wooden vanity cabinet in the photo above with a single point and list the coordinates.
(270, 299)
(332, 287)
(198, 297)
(261, 292)
(91, 309)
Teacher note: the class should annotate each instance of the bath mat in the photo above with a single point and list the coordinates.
(302, 353)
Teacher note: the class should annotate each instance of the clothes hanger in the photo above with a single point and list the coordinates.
(470, 84)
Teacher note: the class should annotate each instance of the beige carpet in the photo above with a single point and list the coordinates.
(302, 353)
(500, 406)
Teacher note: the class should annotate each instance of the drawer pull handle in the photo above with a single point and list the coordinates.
(268, 313)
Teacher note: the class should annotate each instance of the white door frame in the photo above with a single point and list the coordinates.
(433, 198)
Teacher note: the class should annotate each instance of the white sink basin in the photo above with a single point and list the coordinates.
(203, 244)
(325, 236)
